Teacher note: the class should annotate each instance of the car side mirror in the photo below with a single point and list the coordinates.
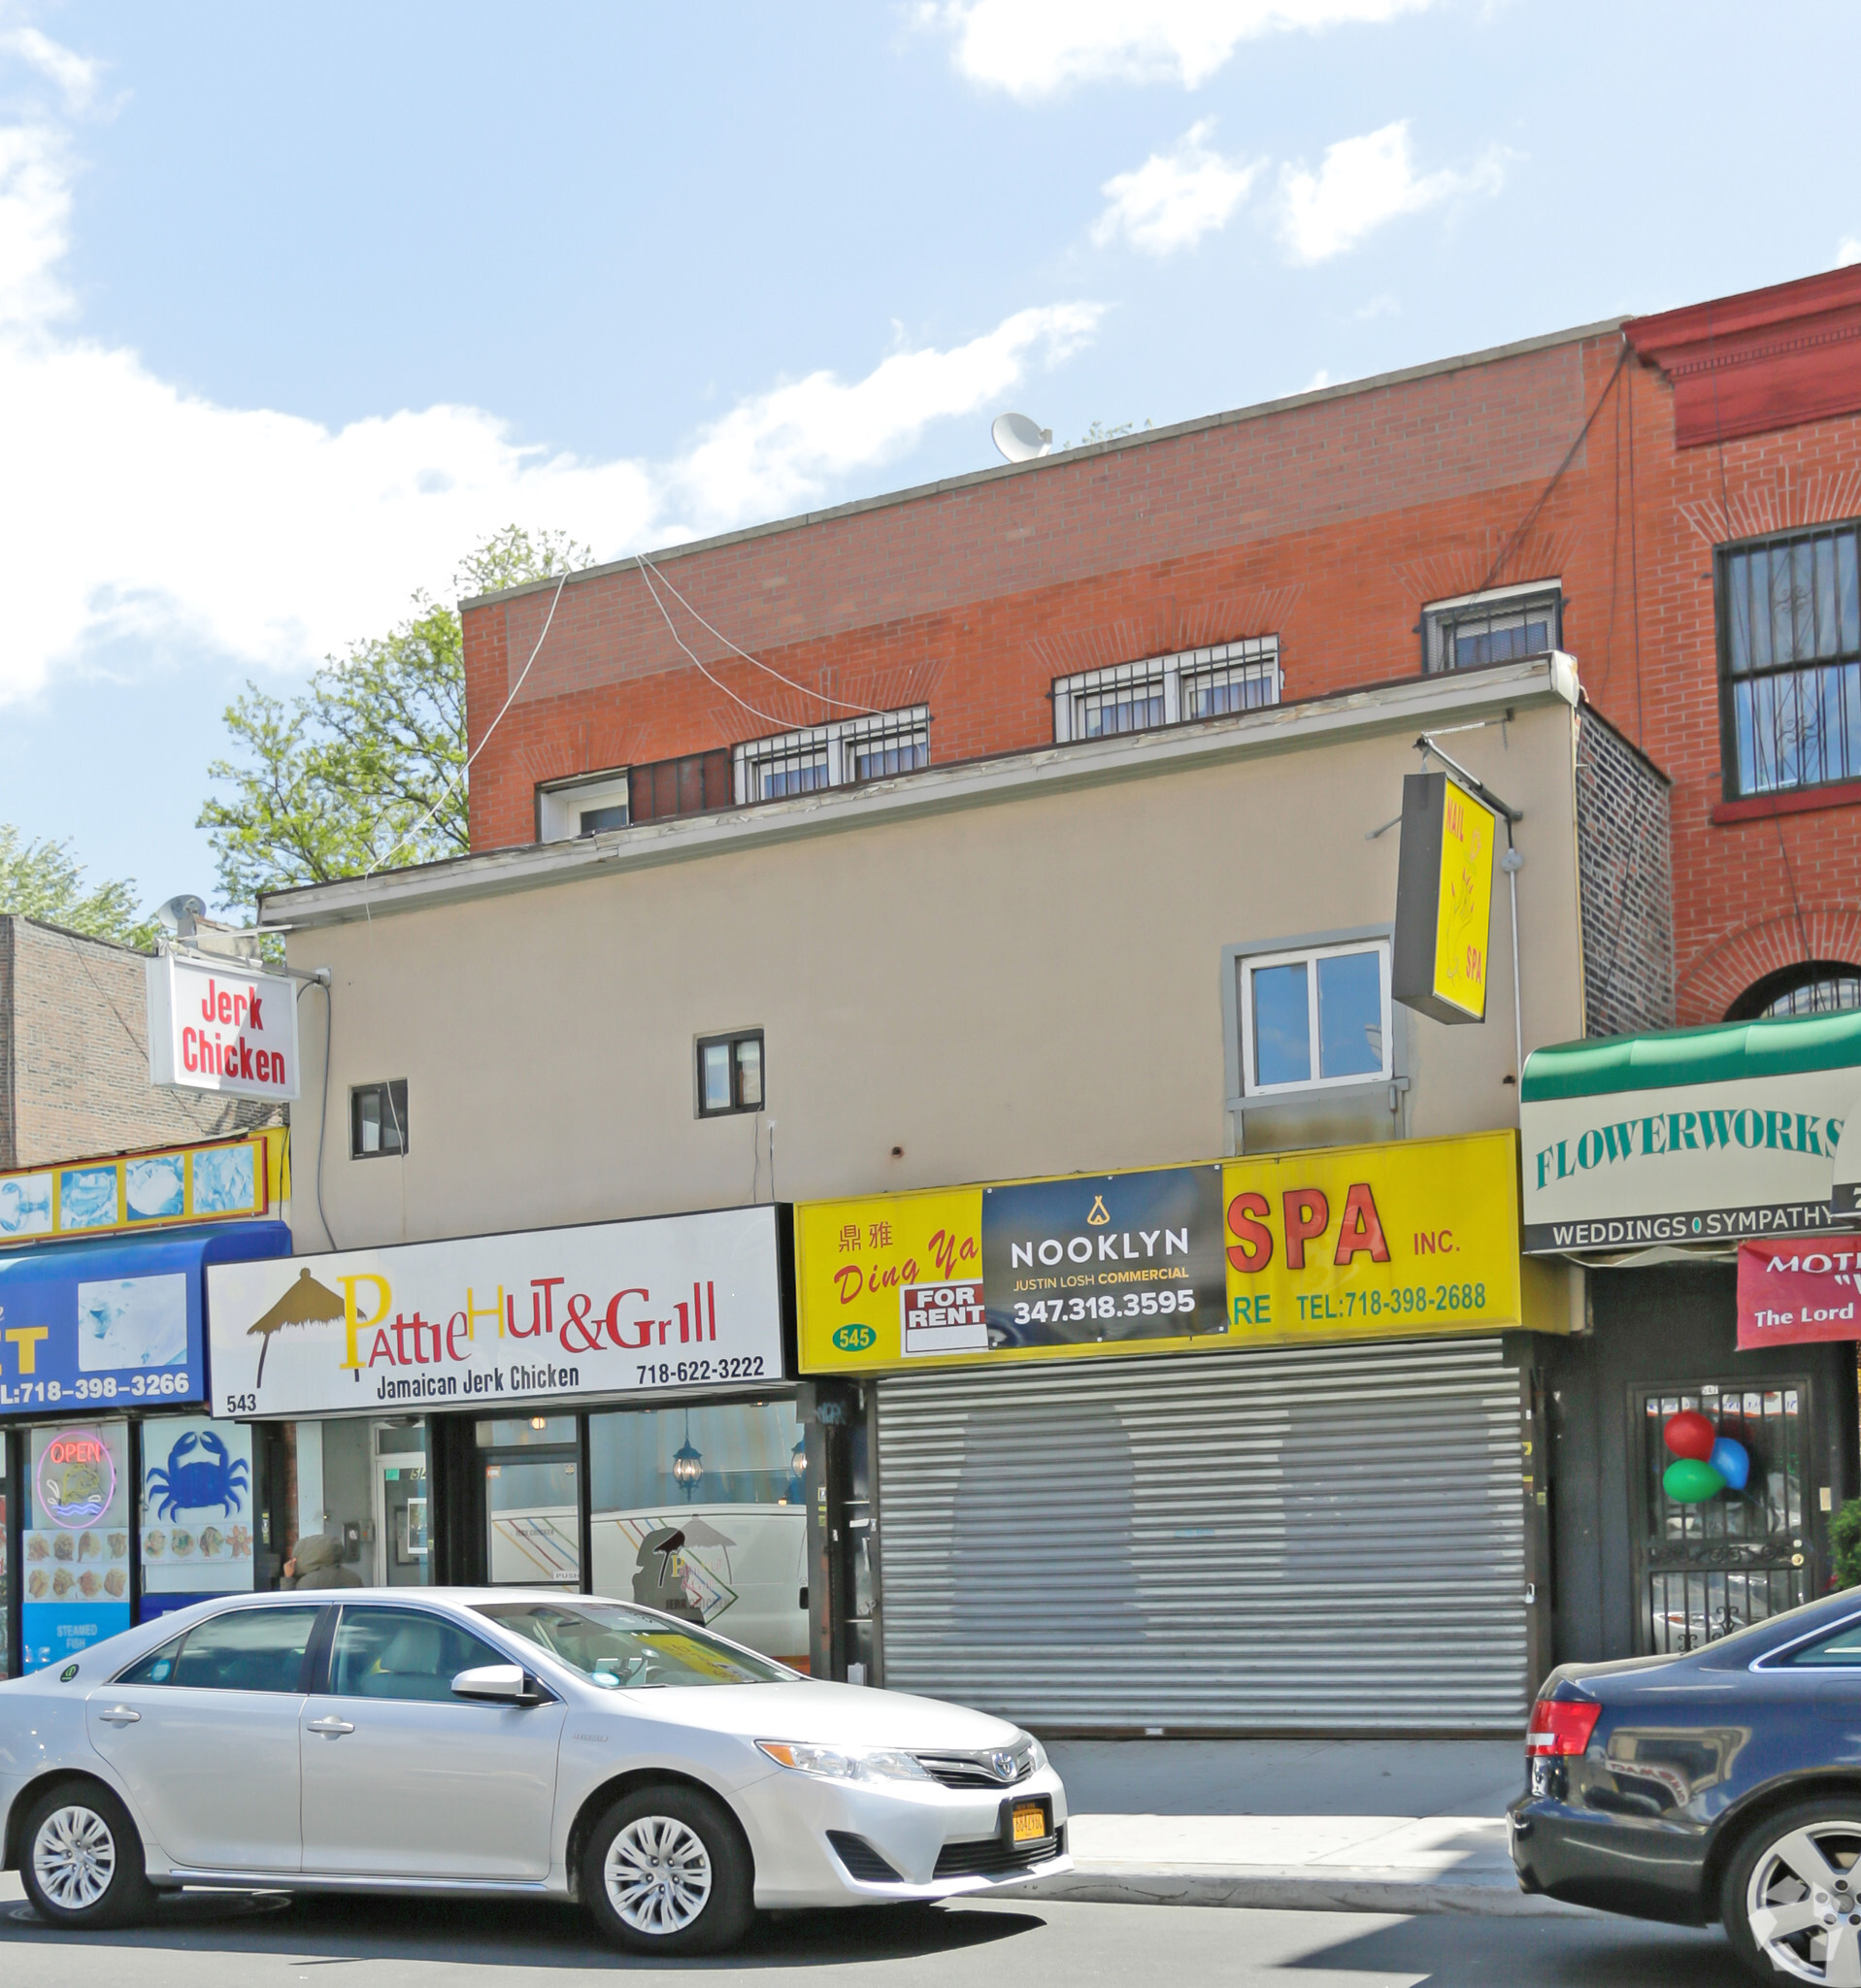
(498, 1684)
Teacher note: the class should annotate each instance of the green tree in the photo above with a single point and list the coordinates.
(44, 879)
(364, 769)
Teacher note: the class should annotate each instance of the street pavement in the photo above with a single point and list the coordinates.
(205, 1942)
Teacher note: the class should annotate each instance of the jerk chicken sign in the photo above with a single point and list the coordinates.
(611, 1309)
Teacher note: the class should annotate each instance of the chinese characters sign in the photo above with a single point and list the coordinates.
(615, 1309)
(1443, 900)
(1342, 1243)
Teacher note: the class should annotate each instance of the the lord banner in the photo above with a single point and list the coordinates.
(1802, 1289)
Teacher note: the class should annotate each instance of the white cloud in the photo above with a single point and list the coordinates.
(1035, 48)
(1848, 250)
(1174, 198)
(75, 75)
(144, 512)
(1363, 183)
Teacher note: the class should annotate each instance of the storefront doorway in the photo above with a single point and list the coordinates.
(400, 1506)
(1708, 1568)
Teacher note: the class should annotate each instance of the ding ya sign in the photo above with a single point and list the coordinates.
(1443, 900)
(217, 1027)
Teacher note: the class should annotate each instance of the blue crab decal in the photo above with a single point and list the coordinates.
(203, 1482)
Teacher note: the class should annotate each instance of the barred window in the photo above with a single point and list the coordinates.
(1821, 988)
(1789, 614)
(1503, 625)
(838, 755)
(1164, 690)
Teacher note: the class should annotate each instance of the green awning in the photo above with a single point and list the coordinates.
(1719, 1054)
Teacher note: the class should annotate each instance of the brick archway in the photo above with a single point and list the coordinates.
(1716, 979)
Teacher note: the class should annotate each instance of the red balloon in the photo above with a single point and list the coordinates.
(1689, 1434)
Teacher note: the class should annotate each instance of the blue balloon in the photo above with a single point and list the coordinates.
(1732, 1461)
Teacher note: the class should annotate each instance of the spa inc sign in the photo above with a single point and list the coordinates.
(537, 1315)
(217, 1027)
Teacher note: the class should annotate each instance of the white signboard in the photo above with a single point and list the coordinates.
(218, 1027)
(1687, 1163)
(539, 1315)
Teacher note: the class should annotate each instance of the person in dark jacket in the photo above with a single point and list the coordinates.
(318, 1563)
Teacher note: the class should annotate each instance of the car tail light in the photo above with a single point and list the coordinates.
(1561, 1725)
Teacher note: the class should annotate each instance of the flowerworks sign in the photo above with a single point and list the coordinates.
(220, 1028)
(619, 1308)
(1788, 1293)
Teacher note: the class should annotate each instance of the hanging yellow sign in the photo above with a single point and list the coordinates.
(1443, 900)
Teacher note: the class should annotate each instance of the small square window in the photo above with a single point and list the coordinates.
(1503, 626)
(378, 1120)
(1314, 1019)
(730, 1074)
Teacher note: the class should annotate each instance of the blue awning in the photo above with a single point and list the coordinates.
(91, 1327)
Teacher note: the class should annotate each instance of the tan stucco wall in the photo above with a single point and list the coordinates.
(1028, 986)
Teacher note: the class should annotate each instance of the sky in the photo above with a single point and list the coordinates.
(298, 304)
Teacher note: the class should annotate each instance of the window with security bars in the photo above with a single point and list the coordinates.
(1211, 682)
(843, 754)
(1502, 625)
(1789, 615)
(1822, 987)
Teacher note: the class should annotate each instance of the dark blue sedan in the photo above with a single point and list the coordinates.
(1726, 1784)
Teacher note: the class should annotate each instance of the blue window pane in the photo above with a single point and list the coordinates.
(1349, 1016)
(1281, 1026)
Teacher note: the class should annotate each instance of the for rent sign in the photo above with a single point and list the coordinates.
(220, 1028)
(549, 1315)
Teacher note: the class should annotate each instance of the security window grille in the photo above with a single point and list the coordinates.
(837, 755)
(1165, 690)
(1502, 626)
(1822, 987)
(1310, 1020)
(1789, 614)
(378, 1120)
(730, 1074)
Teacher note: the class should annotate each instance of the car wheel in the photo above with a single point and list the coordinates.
(667, 1871)
(81, 1859)
(1792, 1893)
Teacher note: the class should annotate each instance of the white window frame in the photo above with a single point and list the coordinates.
(560, 805)
(1169, 673)
(1247, 965)
(1437, 616)
(837, 744)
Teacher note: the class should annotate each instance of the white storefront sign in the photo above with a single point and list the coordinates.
(219, 1027)
(1684, 1163)
(677, 1303)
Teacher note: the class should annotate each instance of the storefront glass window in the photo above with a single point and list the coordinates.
(361, 1505)
(532, 1510)
(75, 1539)
(6, 1592)
(701, 1512)
(196, 1516)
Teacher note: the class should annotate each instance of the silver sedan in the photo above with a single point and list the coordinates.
(501, 1740)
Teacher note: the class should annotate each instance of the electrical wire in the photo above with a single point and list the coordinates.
(820, 696)
(766, 717)
(466, 765)
(322, 1114)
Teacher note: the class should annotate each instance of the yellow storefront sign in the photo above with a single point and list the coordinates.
(1394, 1240)
(1464, 910)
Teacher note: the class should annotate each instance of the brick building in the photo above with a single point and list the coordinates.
(1628, 492)
(74, 1054)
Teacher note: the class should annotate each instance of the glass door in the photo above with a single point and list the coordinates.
(1714, 1564)
(532, 1502)
(400, 1519)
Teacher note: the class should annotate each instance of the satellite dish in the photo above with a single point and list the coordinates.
(177, 916)
(1019, 439)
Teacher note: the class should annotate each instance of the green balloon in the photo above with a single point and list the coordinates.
(1688, 1482)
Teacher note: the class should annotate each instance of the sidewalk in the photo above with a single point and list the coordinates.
(1321, 1825)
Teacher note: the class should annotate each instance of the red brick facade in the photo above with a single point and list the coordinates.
(1328, 521)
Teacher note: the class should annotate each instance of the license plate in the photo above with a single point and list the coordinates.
(1030, 1822)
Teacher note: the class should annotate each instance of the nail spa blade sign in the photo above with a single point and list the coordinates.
(218, 1027)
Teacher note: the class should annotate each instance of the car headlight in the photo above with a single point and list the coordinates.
(1025, 1742)
(841, 1763)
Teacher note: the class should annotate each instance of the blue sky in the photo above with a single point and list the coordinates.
(298, 304)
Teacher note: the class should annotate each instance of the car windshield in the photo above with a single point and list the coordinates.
(626, 1649)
